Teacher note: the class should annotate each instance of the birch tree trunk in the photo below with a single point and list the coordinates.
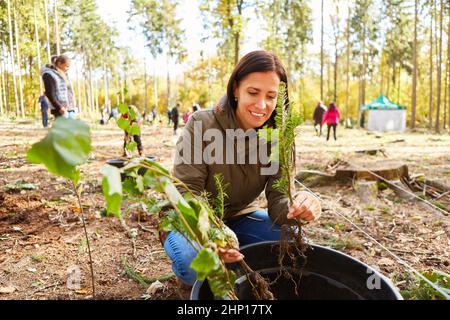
(38, 50)
(439, 73)
(16, 28)
(57, 40)
(47, 31)
(414, 79)
(13, 67)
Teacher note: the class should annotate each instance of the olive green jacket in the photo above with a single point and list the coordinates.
(244, 181)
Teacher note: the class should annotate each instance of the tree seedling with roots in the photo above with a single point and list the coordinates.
(191, 215)
(287, 119)
(66, 146)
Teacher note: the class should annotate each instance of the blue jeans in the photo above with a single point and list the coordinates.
(44, 118)
(256, 227)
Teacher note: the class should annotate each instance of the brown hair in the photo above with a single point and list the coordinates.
(256, 61)
(61, 59)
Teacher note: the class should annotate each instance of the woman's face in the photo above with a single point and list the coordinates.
(256, 99)
(64, 66)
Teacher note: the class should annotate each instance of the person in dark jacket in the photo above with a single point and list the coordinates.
(318, 117)
(44, 110)
(175, 117)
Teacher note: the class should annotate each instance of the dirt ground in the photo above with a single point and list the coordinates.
(42, 240)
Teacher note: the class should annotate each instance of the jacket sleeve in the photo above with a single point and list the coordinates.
(278, 203)
(50, 91)
(185, 169)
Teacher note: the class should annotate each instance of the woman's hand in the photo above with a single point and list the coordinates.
(230, 255)
(306, 207)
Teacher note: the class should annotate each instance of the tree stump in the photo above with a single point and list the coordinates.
(358, 170)
(367, 190)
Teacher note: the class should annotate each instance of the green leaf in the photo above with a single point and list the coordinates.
(132, 145)
(112, 189)
(66, 146)
(123, 108)
(221, 283)
(135, 129)
(123, 123)
(132, 114)
(205, 263)
(130, 187)
(203, 222)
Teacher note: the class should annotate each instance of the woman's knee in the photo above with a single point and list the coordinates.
(181, 253)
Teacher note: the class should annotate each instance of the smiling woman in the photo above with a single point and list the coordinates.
(249, 105)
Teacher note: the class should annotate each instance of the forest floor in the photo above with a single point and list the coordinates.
(42, 239)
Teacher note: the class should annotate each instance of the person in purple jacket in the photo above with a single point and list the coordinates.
(331, 118)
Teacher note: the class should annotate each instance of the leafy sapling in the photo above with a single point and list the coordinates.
(66, 146)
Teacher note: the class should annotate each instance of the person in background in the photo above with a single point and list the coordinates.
(175, 117)
(58, 89)
(318, 116)
(44, 109)
(331, 118)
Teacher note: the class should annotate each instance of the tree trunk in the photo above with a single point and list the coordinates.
(57, 40)
(80, 103)
(4, 84)
(439, 73)
(169, 102)
(155, 84)
(347, 85)
(448, 68)
(321, 52)
(38, 50)
(19, 65)
(399, 83)
(47, 31)
(96, 95)
(444, 122)
(335, 74)
(106, 85)
(122, 89)
(2, 93)
(430, 100)
(414, 80)
(145, 89)
(13, 65)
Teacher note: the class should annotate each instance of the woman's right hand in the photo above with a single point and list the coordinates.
(230, 255)
(62, 110)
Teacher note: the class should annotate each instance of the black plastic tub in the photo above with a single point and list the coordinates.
(119, 163)
(328, 275)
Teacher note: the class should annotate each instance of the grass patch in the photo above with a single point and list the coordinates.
(415, 288)
(139, 278)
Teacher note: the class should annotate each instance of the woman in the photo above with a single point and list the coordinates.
(331, 118)
(249, 105)
(58, 88)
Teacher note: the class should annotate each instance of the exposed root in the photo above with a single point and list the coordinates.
(292, 246)
(260, 287)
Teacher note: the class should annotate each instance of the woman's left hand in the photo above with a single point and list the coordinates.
(306, 207)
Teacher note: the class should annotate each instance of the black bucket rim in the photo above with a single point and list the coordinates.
(195, 292)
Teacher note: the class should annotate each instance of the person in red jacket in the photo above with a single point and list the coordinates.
(331, 118)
